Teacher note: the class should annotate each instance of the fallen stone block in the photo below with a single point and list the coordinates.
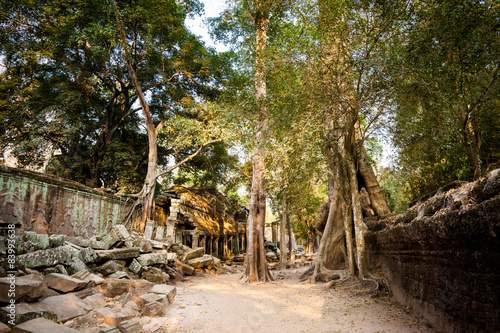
(66, 307)
(164, 289)
(107, 315)
(135, 267)
(149, 259)
(87, 255)
(201, 262)
(115, 254)
(130, 326)
(154, 309)
(110, 267)
(98, 245)
(23, 312)
(96, 300)
(57, 269)
(120, 232)
(42, 241)
(42, 325)
(149, 228)
(160, 232)
(82, 242)
(28, 287)
(89, 277)
(50, 257)
(110, 239)
(76, 266)
(185, 268)
(149, 298)
(64, 283)
(114, 287)
(119, 275)
(154, 275)
(196, 253)
(56, 240)
(157, 244)
(144, 245)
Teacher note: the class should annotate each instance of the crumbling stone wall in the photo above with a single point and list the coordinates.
(442, 257)
(46, 204)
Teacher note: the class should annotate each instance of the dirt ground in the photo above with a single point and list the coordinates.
(224, 303)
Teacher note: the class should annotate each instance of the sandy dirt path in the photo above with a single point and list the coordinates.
(225, 304)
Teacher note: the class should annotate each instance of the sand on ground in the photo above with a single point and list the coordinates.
(224, 303)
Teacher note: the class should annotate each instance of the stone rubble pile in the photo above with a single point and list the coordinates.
(115, 283)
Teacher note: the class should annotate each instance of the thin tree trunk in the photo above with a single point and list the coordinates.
(257, 268)
(147, 192)
(283, 254)
(291, 240)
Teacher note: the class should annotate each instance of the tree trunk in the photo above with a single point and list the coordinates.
(291, 240)
(283, 254)
(377, 199)
(257, 268)
(145, 197)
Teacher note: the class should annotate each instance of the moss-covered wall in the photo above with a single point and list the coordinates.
(442, 257)
(52, 205)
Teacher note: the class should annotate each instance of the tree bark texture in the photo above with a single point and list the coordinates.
(283, 225)
(257, 268)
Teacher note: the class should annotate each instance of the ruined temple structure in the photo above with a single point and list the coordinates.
(201, 217)
(45, 204)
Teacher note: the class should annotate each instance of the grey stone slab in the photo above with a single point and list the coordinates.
(28, 287)
(195, 253)
(164, 289)
(49, 257)
(42, 325)
(66, 307)
(64, 283)
(115, 254)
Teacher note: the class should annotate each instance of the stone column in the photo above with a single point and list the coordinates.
(194, 238)
(160, 232)
(215, 250)
(148, 230)
(237, 249)
(170, 230)
(203, 242)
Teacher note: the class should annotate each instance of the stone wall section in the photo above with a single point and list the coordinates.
(442, 257)
(46, 204)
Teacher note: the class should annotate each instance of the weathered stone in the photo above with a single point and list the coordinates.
(120, 232)
(143, 245)
(157, 244)
(125, 253)
(271, 256)
(42, 241)
(89, 277)
(130, 326)
(29, 287)
(128, 311)
(107, 315)
(110, 239)
(3, 245)
(155, 324)
(160, 232)
(201, 262)
(148, 230)
(82, 242)
(76, 266)
(66, 307)
(114, 287)
(110, 329)
(185, 268)
(156, 258)
(42, 325)
(96, 300)
(57, 269)
(87, 255)
(492, 186)
(50, 257)
(195, 253)
(165, 289)
(119, 275)
(135, 267)
(110, 267)
(23, 312)
(154, 309)
(64, 283)
(154, 275)
(56, 240)
(98, 245)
